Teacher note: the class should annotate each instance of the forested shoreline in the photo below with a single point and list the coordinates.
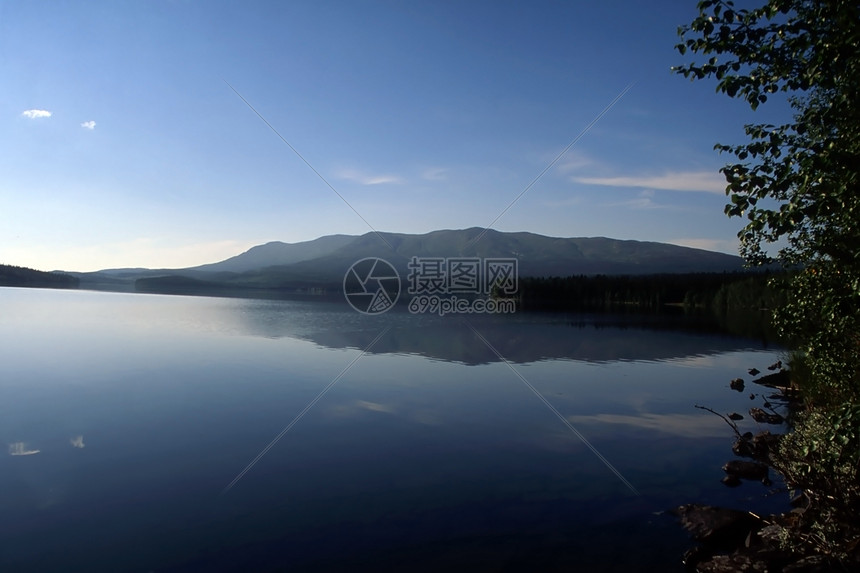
(25, 277)
(716, 291)
(720, 292)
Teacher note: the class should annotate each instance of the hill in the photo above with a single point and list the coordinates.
(278, 253)
(537, 255)
(24, 277)
(322, 263)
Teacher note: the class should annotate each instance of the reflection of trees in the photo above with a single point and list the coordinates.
(521, 338)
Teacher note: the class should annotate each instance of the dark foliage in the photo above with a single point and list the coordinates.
(24, 277)
(718, 291)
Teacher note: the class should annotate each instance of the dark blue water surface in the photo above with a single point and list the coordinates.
(127, 417)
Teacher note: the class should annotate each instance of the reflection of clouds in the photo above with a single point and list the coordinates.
(77, 442)
(357, 406)
(423, 416)
(20, 449)
(427, 418)
(374, 406)
(686, 425)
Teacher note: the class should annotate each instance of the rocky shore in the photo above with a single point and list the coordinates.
(731, 540)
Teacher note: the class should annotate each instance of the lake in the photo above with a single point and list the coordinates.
(141, 435)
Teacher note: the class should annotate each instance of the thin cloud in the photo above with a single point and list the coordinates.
(644, 200)
(703, 181)
(367, 179)
(573, 162)
(435, 174)
(36, 113)
(641, 203)
(89, 125)
(77, 442)
(20, 449)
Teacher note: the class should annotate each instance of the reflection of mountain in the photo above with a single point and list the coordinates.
(530, 343)
(520, 339)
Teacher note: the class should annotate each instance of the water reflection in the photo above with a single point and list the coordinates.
(522, 338)
(427, 451)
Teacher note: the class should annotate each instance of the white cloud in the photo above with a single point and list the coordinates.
(705, 181)
(36, 113)
(77, 442)
(367, 179)
(20, 449)
(89, 125)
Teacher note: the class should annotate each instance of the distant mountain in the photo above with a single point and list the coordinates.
(537, 255)
(278, 253)
(323, 262)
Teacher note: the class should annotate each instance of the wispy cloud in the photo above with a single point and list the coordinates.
(435, 174)
(643, 200)
(20, 449)
(36, 113)
(89, 125)
(363, 178)
(77, 442)
(703, 181)
(573, 162)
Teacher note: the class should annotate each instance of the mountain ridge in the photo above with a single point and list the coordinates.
(322, 262)
(537, 255)
(276, 253)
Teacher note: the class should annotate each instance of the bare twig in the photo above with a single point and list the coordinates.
(727, 421)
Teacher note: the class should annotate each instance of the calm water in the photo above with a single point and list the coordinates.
(127, 416)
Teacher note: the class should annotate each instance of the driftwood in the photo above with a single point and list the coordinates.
(731, 424)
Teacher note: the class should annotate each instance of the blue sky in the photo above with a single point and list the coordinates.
(422, 115)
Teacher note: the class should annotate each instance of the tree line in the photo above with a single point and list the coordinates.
(725, 292)
(25, 277)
